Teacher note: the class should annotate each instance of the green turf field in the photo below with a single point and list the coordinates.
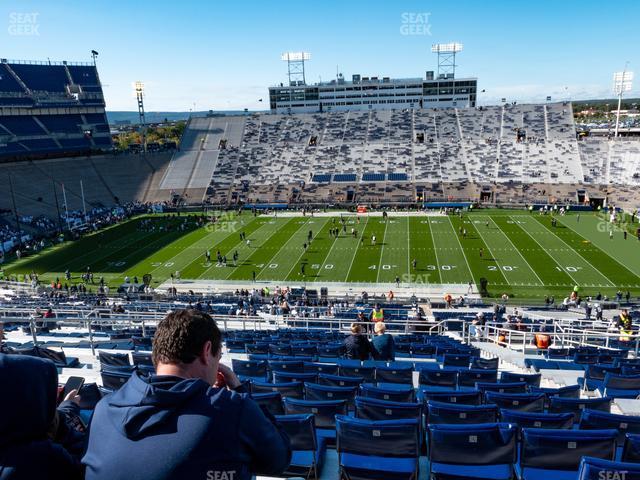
(522, 253)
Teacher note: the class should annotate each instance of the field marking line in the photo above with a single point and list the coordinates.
(500, 269)
(435, 250)
(384, 239)
(301, 255)
(262, 244)
(355, 252)
(548, 252)
(542, 284)
(462, 250)
(615, 260)
(206, 237)
(235, 246)
(574, 251)
(409, 248)
(302, 225)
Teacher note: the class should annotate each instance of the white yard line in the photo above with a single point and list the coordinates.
(502, 272)
(573, 249)
(514, 247)
(303, 252)
(355, 252)
(462, 249)
(304, 224)
(435, 250)
(384, 239)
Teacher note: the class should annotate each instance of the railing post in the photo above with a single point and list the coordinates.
(93, 349)
(32, 326)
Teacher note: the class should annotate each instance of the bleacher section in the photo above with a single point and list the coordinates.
(391, 155)
(51, 109)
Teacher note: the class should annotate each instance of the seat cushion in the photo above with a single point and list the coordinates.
(374, 467)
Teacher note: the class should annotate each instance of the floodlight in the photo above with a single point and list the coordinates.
(295, 56)
(452, 47)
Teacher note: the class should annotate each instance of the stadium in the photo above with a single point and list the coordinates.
(375, 278)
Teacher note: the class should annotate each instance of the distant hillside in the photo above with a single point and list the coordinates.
(157, 117)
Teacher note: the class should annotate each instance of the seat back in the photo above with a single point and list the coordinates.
(385, 438)
(399, 393)
(286, 389)
(367, 373)
(301, 431)
(249, 368)
(525, 402)
(531, 379)
(339, 380)
(502, 387)
(325, 411)
(631, 450)
(439, 413)
(318, 368)
(114, 379)
(598, 469)
(456, 360)
(438, 377)
(140, 358)
(270, 401)
(485, 363)
(296, 366)
(622, 382)
(598, 371)
(596, 420)
(577, 405)
(279, 377)
(375, 409)
(486, 444)
(393, 374)
(469, 377)
(551, 449)
(537, 420)
(315, 391)
(114, 359)
(465, 397)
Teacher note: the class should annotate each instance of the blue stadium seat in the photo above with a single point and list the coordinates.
(315, 391)
(596, 419)
(308, 451)
(395, 374)
(271, 401)
(577, 405)
(113, 377)
(296, 366)
(288, 389)
(316, 367)
(439, 413)
(465, 397)
(456, 360)
(631, 450)
(525, 402)
(339, 381)
(556, 454)
(485, 451)
(467, 378)
(376, 409)
(531, 379)
(348, 370)
(281, 377)
(502, 387)
(438, 377)
(250, 369)
(598, 469)
(386, 449)
(394, 392)
(621, 386)
(537, 420)
(325, 412)
(485, 363)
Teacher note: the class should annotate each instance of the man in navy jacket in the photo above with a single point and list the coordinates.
(175, 424)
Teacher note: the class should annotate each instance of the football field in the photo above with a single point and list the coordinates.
(517, 252)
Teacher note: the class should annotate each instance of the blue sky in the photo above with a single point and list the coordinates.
(223, 55)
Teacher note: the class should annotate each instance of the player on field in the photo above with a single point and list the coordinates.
(414, 264)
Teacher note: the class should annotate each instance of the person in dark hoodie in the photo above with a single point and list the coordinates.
(30, 425)
(357, 346)
(186, 421)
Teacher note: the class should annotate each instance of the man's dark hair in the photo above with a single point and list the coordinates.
(181, 336)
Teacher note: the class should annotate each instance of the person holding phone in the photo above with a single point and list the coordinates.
(189, 420)
(35, 438)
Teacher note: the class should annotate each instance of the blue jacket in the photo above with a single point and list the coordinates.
(28, 406)
(165, 427)
(357, 347)
(384, 347)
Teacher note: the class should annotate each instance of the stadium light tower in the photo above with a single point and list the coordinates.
(295, 66)
(446, 57)
(139, 86)
(621, 83)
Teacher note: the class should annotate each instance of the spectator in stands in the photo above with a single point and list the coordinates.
(32, 431)
(625, 325)
(479, 325)
(357, 345)
(542, 340)
(383, 345)
(377, 314)
(189, 420)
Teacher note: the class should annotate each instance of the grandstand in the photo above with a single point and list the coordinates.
(518, 409)
(510, 153)
(51, 109)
